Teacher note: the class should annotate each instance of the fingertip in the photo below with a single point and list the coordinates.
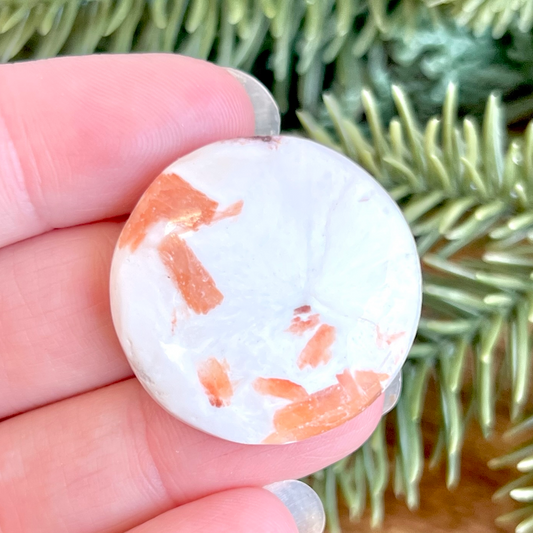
(236, 510)
(266, 110)
(303, 503)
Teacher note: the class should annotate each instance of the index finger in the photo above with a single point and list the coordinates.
(81, 137)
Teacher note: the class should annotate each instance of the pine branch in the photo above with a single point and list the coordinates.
(297, 46)
(469, 200)
(520, 489)
(485, 14)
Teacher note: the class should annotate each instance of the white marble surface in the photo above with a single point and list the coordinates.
(315, 229)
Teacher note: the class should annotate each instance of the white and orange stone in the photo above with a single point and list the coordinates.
(265, 290)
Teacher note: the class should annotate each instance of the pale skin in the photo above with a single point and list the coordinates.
(83, 449)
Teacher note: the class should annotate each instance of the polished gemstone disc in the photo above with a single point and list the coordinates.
(265, 290)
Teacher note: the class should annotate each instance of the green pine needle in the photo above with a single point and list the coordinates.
(484, 14)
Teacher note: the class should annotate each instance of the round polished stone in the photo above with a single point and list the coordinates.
(265, 290)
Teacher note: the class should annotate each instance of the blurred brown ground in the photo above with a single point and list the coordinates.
(468, 508)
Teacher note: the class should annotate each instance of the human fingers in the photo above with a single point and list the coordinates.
(115, 451)
(232, 511)
(81, 137)
(56, 334)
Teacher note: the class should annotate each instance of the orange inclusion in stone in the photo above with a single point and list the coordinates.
(326, 408)
(299, 326)
(168, 198)
(367, 379)
(213, 376)
(280, 388)
(173, 199)
(192, 279)
(232, 211)
(174, 320)
(317, 350)
(384, 339)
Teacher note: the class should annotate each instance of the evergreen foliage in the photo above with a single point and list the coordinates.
(301, 48)
(467, 195)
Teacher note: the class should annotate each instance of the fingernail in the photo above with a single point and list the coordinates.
(267, 117)
(303, 503)
(392, 394)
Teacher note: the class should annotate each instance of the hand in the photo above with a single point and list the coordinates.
(83, 449)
